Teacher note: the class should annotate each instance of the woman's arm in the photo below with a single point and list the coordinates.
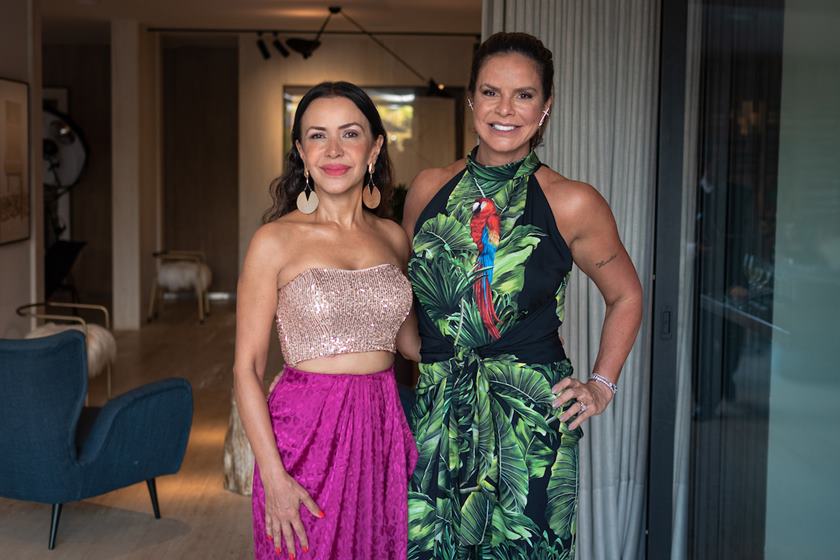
(597, 250)
(408, 339)
(421, 191)
(256, 301)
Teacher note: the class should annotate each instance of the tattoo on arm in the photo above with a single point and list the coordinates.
(605, 262)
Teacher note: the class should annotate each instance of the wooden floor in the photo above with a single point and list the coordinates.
(199, 518)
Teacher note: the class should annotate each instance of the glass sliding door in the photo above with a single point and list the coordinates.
(761, 283)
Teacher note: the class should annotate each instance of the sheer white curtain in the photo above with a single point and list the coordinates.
(603, 131)
(685, 311)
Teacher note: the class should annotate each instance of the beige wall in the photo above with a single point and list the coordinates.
(353, 58)
(21, 268)
(135, 110)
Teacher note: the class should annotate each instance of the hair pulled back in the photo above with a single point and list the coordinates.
(526, 45)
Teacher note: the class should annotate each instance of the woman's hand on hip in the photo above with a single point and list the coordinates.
(283, 499)
(587, 400)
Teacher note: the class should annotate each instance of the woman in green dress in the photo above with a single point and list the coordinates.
(498, 414)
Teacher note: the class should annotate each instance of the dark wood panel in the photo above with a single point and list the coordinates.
(86, 73)
(200, 167)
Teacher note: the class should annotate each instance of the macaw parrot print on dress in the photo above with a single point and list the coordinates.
(485, 229)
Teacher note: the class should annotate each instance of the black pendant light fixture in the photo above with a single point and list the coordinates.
(305, 47)
(266, 54)
(280, 47)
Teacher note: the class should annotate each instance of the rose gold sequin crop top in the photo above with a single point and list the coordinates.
(328, 311)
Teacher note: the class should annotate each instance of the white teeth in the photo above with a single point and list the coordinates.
(502, 127)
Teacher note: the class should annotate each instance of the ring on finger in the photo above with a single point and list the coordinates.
(582, 406)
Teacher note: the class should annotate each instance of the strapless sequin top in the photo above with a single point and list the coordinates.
(328, 311)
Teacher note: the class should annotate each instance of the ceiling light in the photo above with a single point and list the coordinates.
(266, 54)
(280, 47)
(307, 46)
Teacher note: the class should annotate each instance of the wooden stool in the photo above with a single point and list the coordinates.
(178, 271)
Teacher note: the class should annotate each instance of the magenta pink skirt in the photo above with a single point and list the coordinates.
(345, 439)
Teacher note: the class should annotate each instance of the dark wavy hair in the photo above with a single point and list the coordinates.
(526, 45)
(286, 188)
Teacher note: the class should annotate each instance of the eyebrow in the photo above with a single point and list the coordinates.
(488, 86)
(342, 127)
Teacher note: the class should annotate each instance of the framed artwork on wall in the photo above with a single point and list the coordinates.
(14, 161)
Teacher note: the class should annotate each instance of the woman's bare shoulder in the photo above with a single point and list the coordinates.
(395, 236)
(577, 206)
(280, 236)
(568, 196)
(432, 178)
(425, 186)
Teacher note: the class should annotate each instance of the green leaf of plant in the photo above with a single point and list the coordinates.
(476, 518)
(485, 441)
(513, 472)
(429, 428)
(512, 254)
(538, 455)
(510, 203)
(560, 297)
(466, 327)
(443, 234)
(562, 492)
(523, 389)
(440, 284)
(421, 520)
(511, 525)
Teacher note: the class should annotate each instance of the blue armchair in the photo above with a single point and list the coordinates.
(53, 450)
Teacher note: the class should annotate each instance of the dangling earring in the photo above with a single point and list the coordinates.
(307, 200)
(371, 197)
(469, 102)
(542, 120)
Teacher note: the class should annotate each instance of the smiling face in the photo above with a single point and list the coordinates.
(508, 103)
(336, 144)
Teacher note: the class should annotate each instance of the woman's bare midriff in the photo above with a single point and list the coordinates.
(357, 363)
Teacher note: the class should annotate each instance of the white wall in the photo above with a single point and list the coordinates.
(803, 452)
(21, 268)
(352, 58)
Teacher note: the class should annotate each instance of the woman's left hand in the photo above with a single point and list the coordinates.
(590, 399)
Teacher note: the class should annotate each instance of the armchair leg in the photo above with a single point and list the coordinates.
(153, 297)
(153, 493)
(56, 515)
(200, 297)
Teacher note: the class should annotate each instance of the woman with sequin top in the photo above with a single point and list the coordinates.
(333, 450)
(497, 416)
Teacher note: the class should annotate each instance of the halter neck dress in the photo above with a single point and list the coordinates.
(497, 470)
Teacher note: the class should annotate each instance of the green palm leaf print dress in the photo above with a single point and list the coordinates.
(497, 473)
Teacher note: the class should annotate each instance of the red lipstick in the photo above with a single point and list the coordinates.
(335, 169)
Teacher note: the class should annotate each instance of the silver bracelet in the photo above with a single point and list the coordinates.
(597, 377)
